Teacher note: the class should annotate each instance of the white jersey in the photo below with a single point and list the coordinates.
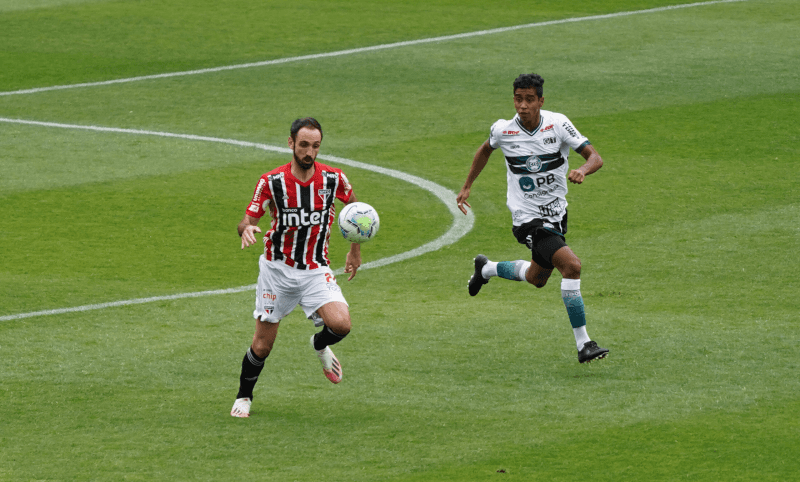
(537, 164)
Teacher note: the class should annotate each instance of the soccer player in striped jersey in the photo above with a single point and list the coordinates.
(536, 145)
(294, 269)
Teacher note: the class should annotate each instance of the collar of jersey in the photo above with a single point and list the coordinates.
(290, 176)
(530, 133)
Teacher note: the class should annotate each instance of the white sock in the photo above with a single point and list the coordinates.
(523, 271)
(581, 336)
(570, 284)
(489, 269)
(574, 286)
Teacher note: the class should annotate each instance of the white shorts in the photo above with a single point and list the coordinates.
(281, 288)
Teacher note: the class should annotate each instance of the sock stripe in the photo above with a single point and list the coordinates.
(254, 359)
(332, 333)
(326, 337)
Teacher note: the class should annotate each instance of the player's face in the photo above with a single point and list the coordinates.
(305, 147)
(528, 105)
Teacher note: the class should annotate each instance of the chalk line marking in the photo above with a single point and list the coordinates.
(460, 227)
(373, 48)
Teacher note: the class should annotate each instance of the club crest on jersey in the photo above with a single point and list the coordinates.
(324, 194)
(533, 164)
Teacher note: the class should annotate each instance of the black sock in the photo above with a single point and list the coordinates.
(251, 368)
(326, 337)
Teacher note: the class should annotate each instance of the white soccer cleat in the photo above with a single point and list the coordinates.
(241, 408)
(330, 364)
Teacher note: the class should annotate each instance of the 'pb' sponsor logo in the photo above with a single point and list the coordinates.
(528, 184)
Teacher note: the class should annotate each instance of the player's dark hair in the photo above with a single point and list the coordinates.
(304, 122)
(528, 81)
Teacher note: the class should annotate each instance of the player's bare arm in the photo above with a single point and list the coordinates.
(592, 164)
(478, 163)
(353, 259)
(247, 230)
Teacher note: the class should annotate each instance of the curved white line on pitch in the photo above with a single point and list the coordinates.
(460, 227)
(373, 48)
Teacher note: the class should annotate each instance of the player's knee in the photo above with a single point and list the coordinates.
(572, 269)
(539, 283)
(260, 348)
(343, 328)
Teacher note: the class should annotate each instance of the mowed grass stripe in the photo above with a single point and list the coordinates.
(701, 382)
(461, 224)
(340, 53)
(436, 76)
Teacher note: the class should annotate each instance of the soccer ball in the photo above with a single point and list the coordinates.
(359, 222)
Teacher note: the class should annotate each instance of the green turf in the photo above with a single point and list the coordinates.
(688, 238)
(104, 40)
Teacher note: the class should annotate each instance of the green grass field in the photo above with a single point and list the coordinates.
(688, 236)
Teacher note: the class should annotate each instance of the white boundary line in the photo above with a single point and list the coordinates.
(373, 48)
(460, 227)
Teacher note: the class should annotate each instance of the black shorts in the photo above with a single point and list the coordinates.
(543, 238)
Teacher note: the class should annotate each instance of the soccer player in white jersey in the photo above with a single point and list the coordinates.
(294, 269)
(536, 145)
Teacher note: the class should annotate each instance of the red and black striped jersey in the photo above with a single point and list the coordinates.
(302, 213)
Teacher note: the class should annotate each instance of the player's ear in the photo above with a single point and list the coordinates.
(291, 143)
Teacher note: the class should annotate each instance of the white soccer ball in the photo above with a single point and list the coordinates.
(359, 222)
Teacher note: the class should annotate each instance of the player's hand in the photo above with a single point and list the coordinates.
(352, 261)
(461, 200)
(576, 176)
(249, 235)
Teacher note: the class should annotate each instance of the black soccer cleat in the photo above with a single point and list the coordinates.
(591, 351)
(477, 280)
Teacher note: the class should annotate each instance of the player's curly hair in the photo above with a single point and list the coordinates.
(304, 122)
(528, 81)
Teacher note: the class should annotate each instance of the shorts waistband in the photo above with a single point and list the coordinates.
(296, 266)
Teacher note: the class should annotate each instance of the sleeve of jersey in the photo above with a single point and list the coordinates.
(494, 137)
(260, 201)
(344, 191)
(570, 135)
